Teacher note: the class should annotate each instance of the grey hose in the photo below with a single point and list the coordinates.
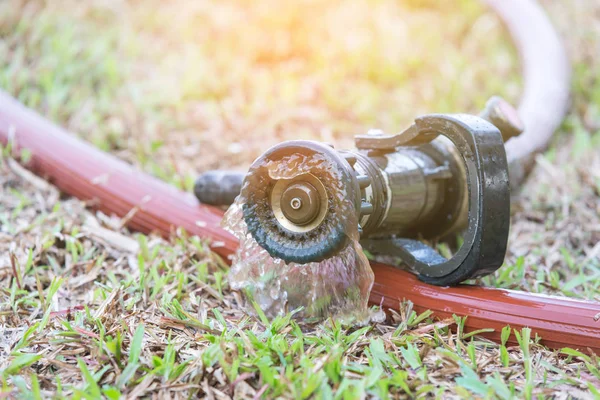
(546, 76)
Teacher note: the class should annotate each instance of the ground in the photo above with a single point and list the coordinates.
(89, 309)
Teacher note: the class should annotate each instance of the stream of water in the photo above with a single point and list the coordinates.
(337, 287)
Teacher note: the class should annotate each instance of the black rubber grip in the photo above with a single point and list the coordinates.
(218, 188)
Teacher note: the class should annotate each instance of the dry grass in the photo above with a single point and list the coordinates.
(88, 309)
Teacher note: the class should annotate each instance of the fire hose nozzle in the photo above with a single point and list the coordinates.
(445, 173)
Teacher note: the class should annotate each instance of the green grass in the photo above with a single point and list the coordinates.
(159, 318)
(141, 328)
(176, 88)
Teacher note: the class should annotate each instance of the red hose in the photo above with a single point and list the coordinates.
(115, 187)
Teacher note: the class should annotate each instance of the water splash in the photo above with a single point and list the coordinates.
(338, 286)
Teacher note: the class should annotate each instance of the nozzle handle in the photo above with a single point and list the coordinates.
(218, 188)
(485, 240)
(504, 116)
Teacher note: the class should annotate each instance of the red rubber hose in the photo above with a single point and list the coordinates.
(115, 187)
